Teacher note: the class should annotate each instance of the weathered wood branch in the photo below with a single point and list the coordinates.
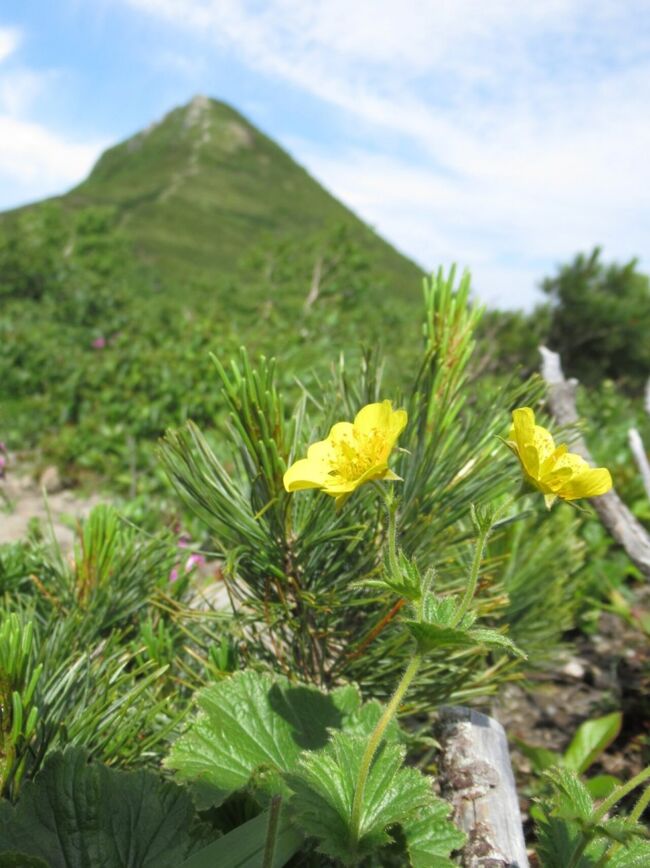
(615, 516)
(640, 457)
(477, 780)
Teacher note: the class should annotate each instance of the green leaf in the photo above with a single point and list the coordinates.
(620, 829)
(541, 757)
(557, 840)
(244, 846)
(324, 787)
(431, 636)
(431, 837)
(591, 739)
(563, 818)
(571, 799)
(74, 815)
(253, 725)
(600, 786)
(20, 860)
(636, 855)
(494, 639)
(442, 611)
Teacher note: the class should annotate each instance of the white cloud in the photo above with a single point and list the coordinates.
(517, 133)
(20, 87)
(34, 161)
(37, 162)
(9, 41)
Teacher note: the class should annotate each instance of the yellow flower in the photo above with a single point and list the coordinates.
(353, 453)
(552, 469)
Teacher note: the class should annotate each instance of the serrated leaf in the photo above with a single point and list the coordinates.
(324, 787)
(557, 840)
(442, 610)
(493, 639)
(591, 739)
(432, 636)
(364, 720)
(621, 830)
(255, 726)
(430, 836)
(244, 846)
(636, 855)
(571, 797)
(73, 815)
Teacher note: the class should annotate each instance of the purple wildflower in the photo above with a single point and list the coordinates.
(193, 561)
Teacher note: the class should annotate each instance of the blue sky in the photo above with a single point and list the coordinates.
(503, 135)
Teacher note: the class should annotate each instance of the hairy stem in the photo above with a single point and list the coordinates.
(641, 805)
(470, 588)
(619, 793)
(635, 816)
(373, 744)
(604, 808)
(272, 831)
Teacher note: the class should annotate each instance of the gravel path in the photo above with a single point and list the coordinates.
(23, 499)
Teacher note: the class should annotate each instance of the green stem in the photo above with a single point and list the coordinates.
(619, 793)
(641, 805)
(391, 502)
(604, 808)
(272, 831)
(470, 588)
(635, 816)
(373, 744)
(392, 538)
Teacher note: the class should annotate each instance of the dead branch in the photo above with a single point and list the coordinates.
(615, 516)
(640, 457)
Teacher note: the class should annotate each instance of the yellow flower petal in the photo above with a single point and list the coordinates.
(522, 434)
(340, 431)
(554, 471)
(353, 453)
(556, 479)
(305, 474)
(551, 461)
(590, 483)
(543, 443)
(397, 424)
(373, 416)
(523, 425)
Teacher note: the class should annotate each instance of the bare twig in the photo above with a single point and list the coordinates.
(615, 516)
(640, 456)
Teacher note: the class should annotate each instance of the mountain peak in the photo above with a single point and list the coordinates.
(200, 187)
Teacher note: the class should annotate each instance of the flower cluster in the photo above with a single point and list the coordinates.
(358, 452)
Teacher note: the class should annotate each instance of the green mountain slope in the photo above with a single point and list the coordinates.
(198, 190)
(193, 237)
